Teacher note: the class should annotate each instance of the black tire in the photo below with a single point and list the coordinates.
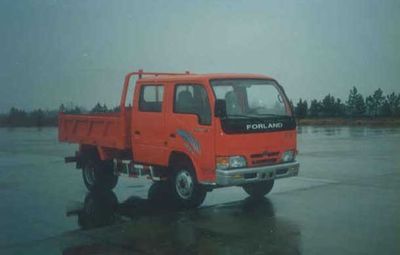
(99, 174)
(186, 192)
(159, 193)
(258, 189)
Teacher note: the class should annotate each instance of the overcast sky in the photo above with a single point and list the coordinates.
(54, 52)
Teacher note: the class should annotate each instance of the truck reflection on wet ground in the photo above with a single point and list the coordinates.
(151, 226)
(101, 208)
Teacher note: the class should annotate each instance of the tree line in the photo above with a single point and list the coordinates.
(42, 118)
(375, 105)
(21, 118)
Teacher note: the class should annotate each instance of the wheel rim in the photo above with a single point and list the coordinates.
(89, 174)
(184, 184)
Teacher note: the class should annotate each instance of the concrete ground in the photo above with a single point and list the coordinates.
(345, 201)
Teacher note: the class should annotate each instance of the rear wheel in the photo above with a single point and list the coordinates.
(99, 174)
(259, 189)
(186, 191)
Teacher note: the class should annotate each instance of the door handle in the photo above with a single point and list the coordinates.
(201, 130)
(137, 132)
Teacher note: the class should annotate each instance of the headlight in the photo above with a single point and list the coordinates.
(231, 162)
(288, 156)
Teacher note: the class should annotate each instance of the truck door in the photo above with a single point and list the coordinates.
(148, 125)
(190, 128)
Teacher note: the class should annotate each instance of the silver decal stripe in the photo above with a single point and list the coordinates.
(190, 141)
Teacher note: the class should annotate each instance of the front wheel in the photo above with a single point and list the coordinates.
(99, 175)
(258, 189)
(186, 191)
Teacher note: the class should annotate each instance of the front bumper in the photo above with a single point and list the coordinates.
(236, 177)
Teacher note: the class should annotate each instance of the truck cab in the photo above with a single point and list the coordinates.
(198, 132)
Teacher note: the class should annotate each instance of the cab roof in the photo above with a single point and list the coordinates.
(200, 77)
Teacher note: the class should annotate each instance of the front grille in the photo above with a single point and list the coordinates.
(264, 161)
(265, 154)
(264, 158)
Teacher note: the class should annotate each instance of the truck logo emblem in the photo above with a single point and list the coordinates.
(259, 126)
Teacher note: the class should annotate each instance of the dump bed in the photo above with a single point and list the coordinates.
(104, 129)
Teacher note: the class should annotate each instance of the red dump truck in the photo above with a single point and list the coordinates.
(193, 132)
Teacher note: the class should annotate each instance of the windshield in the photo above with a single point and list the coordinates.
(250, 98)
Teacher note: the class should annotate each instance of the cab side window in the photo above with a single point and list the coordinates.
(193, 99)
(151, 98)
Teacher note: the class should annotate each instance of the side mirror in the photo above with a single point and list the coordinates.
(220, 108)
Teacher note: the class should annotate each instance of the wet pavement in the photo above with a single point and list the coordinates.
(345, 201)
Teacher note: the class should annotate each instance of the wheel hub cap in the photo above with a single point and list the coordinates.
(184, 184)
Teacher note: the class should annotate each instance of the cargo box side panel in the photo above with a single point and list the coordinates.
(103, 130)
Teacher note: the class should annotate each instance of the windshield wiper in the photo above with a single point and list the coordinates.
(238, 115)
(256, 116)
(244, 116)
(272, 115)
